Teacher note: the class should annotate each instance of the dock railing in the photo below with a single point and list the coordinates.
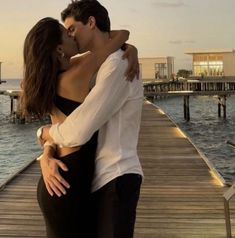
(220, 87)
(161, 88)
(227, 196)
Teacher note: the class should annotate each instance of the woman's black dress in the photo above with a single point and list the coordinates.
(68, 216)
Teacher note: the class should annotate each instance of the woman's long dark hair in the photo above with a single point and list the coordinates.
(41, 66)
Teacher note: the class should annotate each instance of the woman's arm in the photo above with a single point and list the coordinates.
(133, 69)
(95, 59)
(117, 40)
(77, 78)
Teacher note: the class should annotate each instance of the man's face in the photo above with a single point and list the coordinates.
(68, 42)
(81, 33)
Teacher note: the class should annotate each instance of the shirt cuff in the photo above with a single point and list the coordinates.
(55, 135)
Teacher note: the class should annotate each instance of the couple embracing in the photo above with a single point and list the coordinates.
(91, 173)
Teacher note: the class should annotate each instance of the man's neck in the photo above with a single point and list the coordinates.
(100, 39)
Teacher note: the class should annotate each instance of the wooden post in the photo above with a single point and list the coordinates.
(186, 108)
(12, 105)
(0, 72)
(188, 114)
(151, 98)
(227, 196)
(1, 81)
(227, 218)
(219, 107)
(224, 106)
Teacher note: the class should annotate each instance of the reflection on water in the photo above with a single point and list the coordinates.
(207, 131)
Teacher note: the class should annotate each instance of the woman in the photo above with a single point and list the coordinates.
(55, 84)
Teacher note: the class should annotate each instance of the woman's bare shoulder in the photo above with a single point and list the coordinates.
(78, 59)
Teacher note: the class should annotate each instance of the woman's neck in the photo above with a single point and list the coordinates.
(64, 64)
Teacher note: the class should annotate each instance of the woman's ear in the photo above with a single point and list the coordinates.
(60, 51)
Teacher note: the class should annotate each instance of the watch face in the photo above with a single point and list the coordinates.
(39, 133)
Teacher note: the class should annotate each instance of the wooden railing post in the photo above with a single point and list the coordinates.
(219, 107)
(227, 196)
(186, 108)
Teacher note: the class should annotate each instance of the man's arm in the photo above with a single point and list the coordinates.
(104, 100)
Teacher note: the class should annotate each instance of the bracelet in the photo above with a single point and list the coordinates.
(48, 143)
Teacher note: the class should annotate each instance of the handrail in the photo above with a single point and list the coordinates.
(227, 197)
(230, 143)
(3, 185)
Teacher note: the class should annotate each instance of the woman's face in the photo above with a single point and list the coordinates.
(68, 43)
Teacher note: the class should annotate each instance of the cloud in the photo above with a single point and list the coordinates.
(179, 42)
(125, 26)
(133, 10)
(170, 4)
(190, 42)
(189, 59)
(176, 42)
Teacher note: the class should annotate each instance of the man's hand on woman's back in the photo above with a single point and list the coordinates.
(54, 182)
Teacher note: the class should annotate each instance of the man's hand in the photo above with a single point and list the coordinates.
(54, 182)
(133, 70)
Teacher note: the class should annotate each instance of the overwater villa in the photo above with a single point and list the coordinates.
(214, 63)
(210, 64)
(157, 68)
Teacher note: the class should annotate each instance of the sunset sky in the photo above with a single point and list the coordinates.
(158, 27)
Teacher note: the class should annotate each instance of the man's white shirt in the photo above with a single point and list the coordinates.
(113, 107)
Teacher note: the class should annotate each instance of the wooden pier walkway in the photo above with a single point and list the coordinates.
(179, 198)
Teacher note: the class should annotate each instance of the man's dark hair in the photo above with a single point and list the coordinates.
(83, 9)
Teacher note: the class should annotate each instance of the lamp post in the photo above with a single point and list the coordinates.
(1, 74)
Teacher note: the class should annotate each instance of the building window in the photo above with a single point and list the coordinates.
(160, 71)
(208, 65)
(211, 68)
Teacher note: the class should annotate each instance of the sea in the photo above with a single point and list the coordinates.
(18, 144)
(208, 132)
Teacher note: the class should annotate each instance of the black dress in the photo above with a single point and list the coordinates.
(68, 216)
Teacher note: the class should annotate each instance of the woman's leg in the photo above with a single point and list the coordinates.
(66, 216)
(59, 212)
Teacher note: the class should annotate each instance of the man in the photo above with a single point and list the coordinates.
(114, 108)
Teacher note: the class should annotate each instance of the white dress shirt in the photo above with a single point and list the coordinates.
(114, 108)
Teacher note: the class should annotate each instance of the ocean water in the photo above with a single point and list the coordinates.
(206, 130)
(18, 145)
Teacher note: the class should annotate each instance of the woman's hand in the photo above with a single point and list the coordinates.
(133, 69)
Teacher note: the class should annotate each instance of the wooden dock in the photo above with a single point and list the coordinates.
(222, 87)
(14, 96)
(180, 196)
